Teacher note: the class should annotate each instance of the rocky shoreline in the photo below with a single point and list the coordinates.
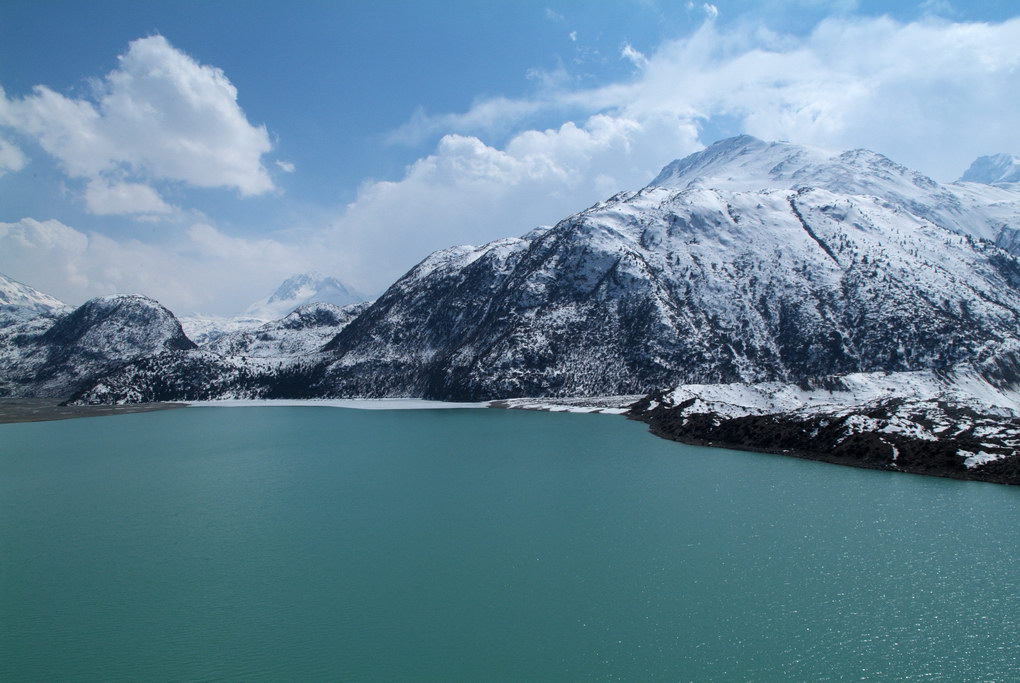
(983, 450)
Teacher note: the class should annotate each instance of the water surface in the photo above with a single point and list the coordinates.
(323, 543)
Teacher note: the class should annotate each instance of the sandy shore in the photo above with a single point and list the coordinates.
(43, 409)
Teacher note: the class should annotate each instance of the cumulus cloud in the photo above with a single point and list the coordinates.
(11, 158)
(160, 115)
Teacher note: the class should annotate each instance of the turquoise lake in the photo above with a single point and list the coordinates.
(483, 545)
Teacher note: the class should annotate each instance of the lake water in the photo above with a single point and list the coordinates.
(323, 543)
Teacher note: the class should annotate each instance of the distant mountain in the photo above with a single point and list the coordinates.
(47, 357)
(303, 289)
(19, 302)
(997, 168)
(302, 332)
(280, 359)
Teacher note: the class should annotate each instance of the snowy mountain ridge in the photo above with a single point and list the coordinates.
(662, 286)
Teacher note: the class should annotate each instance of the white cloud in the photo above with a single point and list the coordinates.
(930, 94)
(491, 115)
(553, 15)
(159, 115)
(105, 199)
(711, 11)
(573, 36)
(285, 166)
(633, 56)
(11, 158)
(201, 269)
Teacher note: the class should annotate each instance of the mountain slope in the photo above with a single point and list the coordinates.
(19, 302)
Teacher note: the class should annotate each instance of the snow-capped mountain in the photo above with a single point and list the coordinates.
(47, 357)
(303, 289)
(19, 302)
(668, 286)
(280, 359)
(997, 168)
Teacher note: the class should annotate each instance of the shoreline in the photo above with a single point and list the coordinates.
(17, 410)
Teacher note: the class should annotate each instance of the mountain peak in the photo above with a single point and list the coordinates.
(301, 289)
(995, 168)
(739, 163)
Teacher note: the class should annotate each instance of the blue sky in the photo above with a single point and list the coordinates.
(200, 152)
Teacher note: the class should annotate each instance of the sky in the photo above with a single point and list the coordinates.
(201, 152)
